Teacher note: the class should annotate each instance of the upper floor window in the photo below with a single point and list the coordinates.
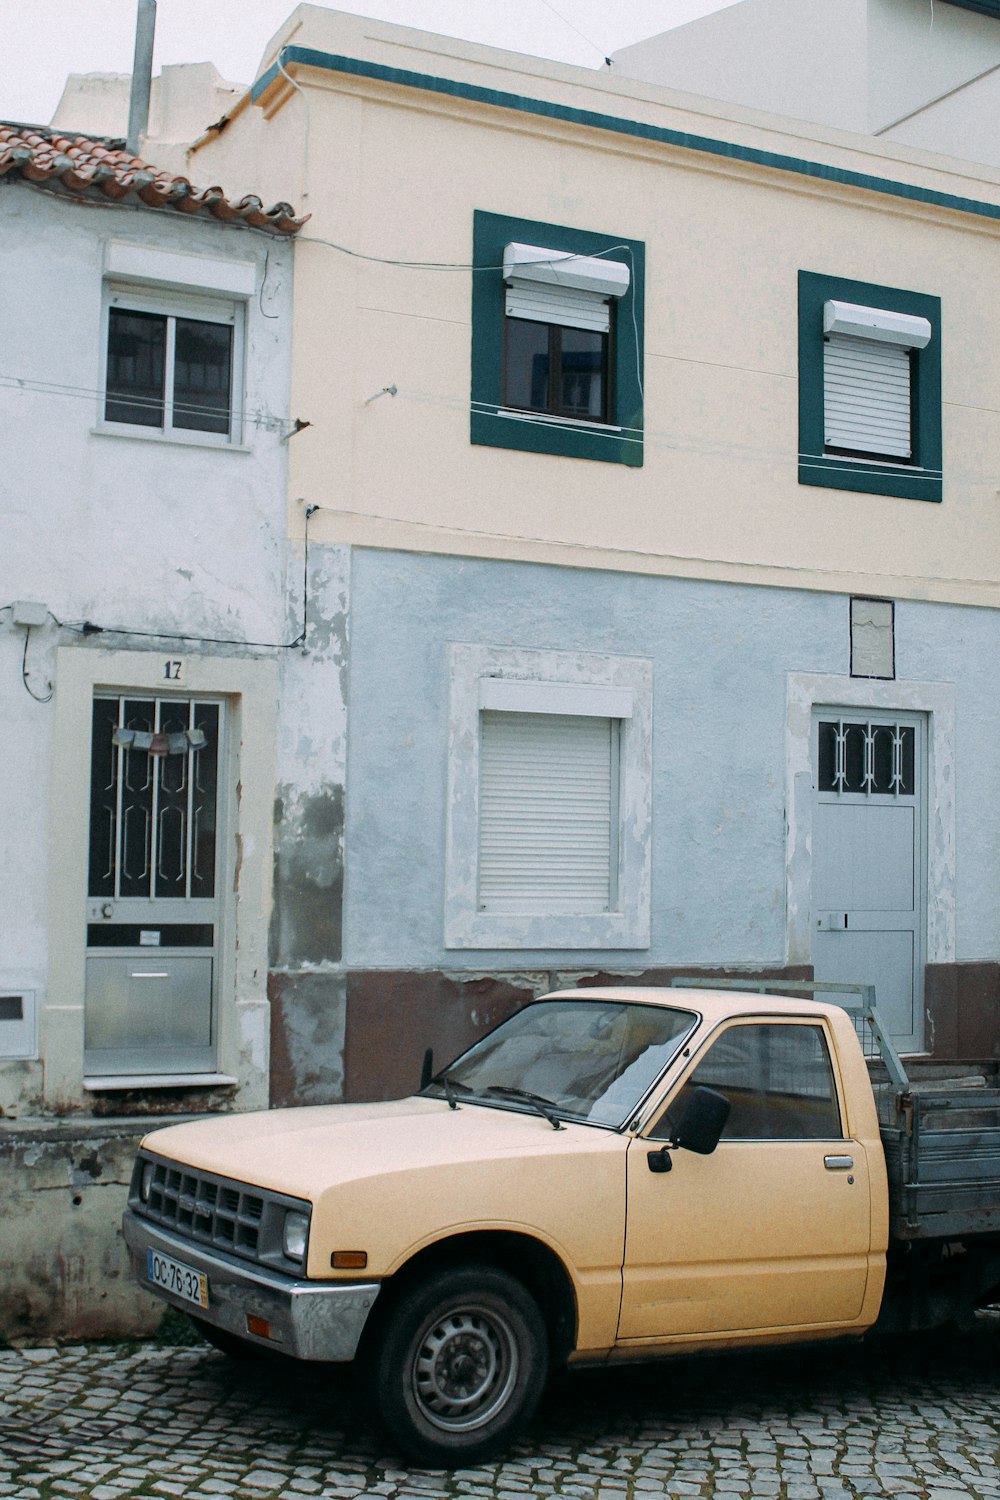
(556, 340)
(869, 388)
(173, 364)
(557, 330)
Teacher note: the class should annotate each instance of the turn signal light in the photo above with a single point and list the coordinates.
(349, 1260)
(260, 1326)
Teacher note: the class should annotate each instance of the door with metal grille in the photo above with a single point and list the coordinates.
(868, 882)
(153, 907)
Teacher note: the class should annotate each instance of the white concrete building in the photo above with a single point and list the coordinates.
(143, 416)
(922, 73)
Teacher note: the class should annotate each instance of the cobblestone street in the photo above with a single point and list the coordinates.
(917, 1418)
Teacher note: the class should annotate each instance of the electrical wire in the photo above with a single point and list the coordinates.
(38, 697)
(88, 627)
(264, 421)
(652, 438)
(567, 22)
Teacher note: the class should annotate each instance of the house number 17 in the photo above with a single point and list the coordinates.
(173, 671)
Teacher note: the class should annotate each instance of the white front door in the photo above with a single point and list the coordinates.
(153, 892)
(867, 861)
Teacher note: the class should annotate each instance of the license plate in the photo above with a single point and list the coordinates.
(174, 1276)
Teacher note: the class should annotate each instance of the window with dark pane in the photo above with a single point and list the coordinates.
(907, 752)
(778, 1080)
(882, 760)
(136, 802)
(137, 343)
(827, 756)
(171, 771)
(103, 798)
(204, 800)
(203, 363)
(582, 373)
(153, 798)
(854, 757)
(865, 758)
(556, 371)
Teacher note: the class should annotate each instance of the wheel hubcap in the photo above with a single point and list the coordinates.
(465, 1368)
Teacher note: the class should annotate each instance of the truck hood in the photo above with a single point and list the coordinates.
(303, 1152)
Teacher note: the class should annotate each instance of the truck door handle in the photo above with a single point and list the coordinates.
(838, 1163)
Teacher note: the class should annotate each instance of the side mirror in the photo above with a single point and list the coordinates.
(702, 1122)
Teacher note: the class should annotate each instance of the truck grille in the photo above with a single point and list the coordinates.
(231, 1216)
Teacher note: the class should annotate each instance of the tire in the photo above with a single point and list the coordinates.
(459, 1366)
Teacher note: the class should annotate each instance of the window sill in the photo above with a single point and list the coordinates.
(119, 1082)
(563, 437)
(549, 419)
(871, 477)
(172, 439)
(550, 930)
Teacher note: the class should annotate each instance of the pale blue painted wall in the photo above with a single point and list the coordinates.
(720, 655)
(946, 643)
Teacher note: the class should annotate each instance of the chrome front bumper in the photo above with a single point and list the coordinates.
(307, 1319)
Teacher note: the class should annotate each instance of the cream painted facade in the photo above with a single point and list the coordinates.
(717, 495)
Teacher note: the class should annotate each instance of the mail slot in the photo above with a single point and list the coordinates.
(149, 1000)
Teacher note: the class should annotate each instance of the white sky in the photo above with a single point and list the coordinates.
(44, 40)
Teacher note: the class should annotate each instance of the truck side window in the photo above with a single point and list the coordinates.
(778, 1080)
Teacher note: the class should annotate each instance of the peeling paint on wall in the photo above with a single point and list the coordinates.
(307, 1038)
(66, 1269)
(307, 914)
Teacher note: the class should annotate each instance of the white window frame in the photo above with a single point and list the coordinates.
(556, 682)
(127, 297)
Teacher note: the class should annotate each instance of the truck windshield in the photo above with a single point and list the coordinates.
(592, 1060)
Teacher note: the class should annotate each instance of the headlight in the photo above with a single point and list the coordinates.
(147, 1181)
(295, 1234)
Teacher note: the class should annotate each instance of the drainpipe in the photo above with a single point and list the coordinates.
(142, 75)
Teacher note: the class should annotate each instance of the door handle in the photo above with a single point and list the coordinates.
(838, 1163)
(160, 974)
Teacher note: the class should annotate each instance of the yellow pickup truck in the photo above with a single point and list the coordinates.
(612, 1174)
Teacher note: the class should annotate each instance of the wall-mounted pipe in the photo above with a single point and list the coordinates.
(142, 74)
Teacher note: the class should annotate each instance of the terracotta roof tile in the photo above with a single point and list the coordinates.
(86, 164)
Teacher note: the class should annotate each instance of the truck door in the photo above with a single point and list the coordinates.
(773, 1230)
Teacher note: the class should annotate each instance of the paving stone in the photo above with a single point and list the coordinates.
(114, 1423)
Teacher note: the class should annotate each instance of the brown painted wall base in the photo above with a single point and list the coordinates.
(390, 1017)
(962, 1007)
(362, 1034)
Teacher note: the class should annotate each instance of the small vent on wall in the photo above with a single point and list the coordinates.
(18, 1024)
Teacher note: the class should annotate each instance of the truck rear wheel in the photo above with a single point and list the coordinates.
(460, 1365)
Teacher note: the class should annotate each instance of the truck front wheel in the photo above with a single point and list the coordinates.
(460, 1365)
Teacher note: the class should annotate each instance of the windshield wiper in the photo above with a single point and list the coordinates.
(544, 1107)
(450, 1085)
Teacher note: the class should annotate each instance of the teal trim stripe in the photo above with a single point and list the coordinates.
(986, 7)
(777, 162)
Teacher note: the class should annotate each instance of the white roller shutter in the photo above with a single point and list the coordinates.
(558, 304)
(549, 286)
(866, 396)
(548, 813)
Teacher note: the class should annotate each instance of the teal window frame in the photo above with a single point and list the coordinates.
(985, 7)
(920, 479)
(620, 439)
